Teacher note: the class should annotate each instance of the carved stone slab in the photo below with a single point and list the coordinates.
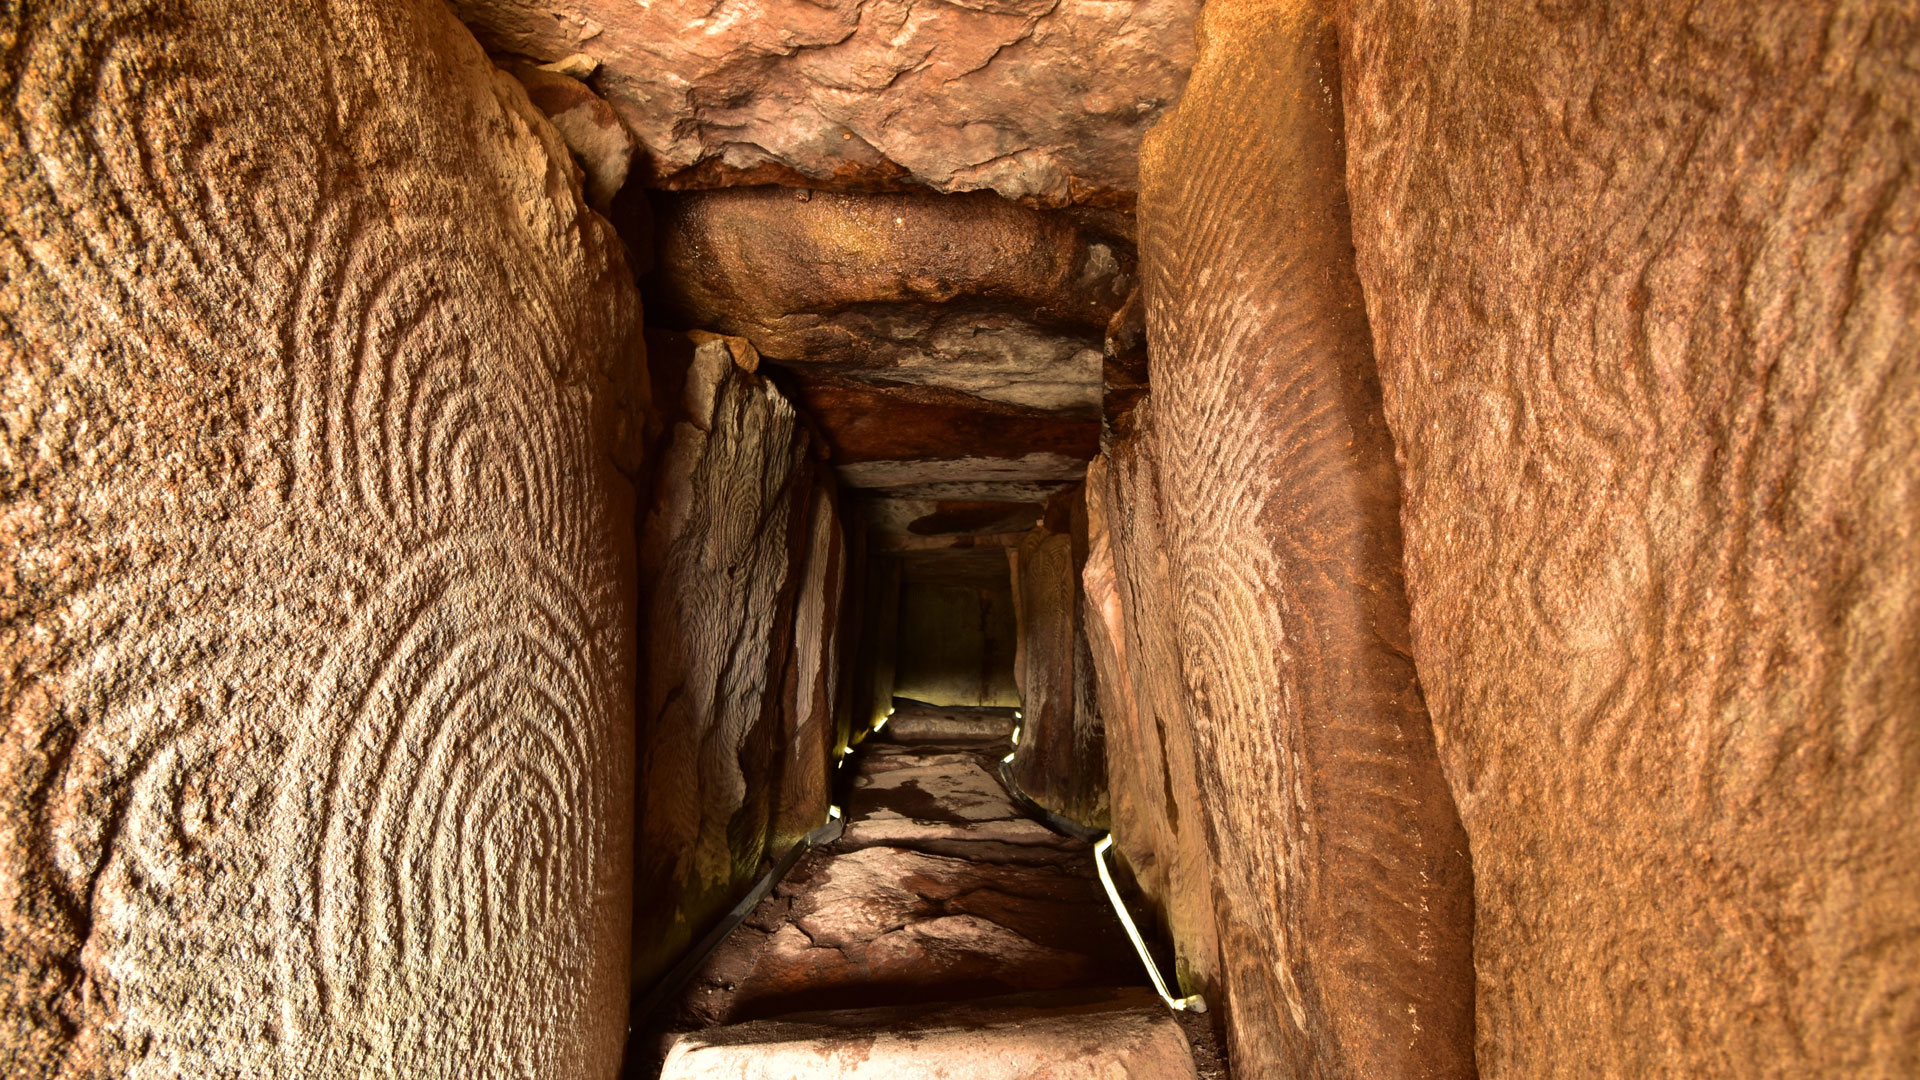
(1341, 881)
(1040, 100)
(317, 620)
(1086, 1035)
(1645, 282)
(724, 559)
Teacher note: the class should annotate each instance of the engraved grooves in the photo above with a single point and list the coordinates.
(445, 688)
(719, 556)
(1652, 379)
(319, 690)
(1343, 897)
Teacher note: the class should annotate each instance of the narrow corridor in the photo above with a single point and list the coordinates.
(954, 935)
(530, 525)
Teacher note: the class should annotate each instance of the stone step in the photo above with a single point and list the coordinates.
(916, 721)
(1119, 1034)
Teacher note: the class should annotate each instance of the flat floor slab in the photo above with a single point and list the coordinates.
(938, 890)
(915, 721)
(1121, 1034)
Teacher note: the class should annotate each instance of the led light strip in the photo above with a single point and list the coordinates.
(829, 831)
(1192, 1002)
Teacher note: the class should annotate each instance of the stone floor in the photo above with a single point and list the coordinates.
(938, 891)
(1113, 1034)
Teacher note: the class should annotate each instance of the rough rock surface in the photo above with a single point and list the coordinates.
(1041, 100)
(900, 436)
(1085, 1035)
(601, 144)
(1645, 282)
(317, 619)
(957, 632)
(938, 889)
(952, 517)
(1341, 874)
(949, 341)
(957, 644)
(935, 724)
(834, 278)
(816, 666)
(1061, 762)
(873, 672)
(1155, 802)
(1124, 367)
(722, 558)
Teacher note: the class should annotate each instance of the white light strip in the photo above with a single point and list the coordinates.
(1191, 1003)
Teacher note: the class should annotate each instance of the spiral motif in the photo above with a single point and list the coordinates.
(319, 722)
(462, 786)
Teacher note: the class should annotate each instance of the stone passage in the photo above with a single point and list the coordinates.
(1437, 481)
(939, 890)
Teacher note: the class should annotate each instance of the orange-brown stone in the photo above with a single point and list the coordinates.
(1645, 283)
(1339, 873)
(322, 391)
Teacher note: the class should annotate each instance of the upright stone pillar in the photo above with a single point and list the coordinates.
(316, 728)
(1645, 284)
(1342, 886)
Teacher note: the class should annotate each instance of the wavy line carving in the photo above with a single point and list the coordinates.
(419, 716)
(1339, 880)
(722, 555)
(318, 633)
(1645, 284)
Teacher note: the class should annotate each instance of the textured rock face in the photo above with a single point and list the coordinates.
(947, 800)
(893, 438)
(879, 640)
(1034, 100)
(1342, 884)
(602, 146)
(722, 558)
(824, 278)
(949, 517)
(1154, 794)
(815, 670)
(1647, 334)
(925, 723)
(948, 347)
(930, 926)
(956, 644)
(1061, 760)
(317, 620)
